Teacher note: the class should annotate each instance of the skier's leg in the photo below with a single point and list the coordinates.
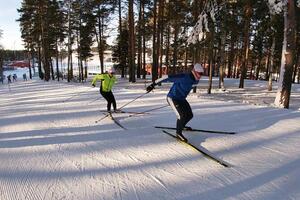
(113, 100)
(179, 111)
(187, 112)
(106, 97)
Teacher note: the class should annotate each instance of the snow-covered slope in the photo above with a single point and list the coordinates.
(51, 147)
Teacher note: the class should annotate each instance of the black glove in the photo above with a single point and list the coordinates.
(150, 87)
(93, 85)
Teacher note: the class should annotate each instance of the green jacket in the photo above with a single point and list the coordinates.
(107, 81)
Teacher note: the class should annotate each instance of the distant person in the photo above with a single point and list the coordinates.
(9, 79)
(15, 77)
(24, 77)
(2, 78)
(108, 80)
(176, 98)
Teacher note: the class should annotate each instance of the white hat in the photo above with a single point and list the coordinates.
(111, 70)
(198, 68)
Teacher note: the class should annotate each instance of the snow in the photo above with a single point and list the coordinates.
(276, 6)
(51, 147)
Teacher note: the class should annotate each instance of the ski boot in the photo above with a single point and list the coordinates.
(187, 128)
(181, 137)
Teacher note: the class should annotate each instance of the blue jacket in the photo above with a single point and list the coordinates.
(183, 83)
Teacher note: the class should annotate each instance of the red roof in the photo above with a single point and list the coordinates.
(19, 64)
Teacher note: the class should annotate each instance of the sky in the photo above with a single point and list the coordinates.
(11, 36)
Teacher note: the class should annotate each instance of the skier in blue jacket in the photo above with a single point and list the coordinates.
(176, 98)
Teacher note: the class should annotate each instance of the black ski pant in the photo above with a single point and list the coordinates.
(109, 97)
(183, 112)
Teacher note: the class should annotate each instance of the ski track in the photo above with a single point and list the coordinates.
(126, 170)
(160, 182)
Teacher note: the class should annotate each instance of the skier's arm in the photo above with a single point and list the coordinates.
(157, 81)
(174, 78)
(169, 78)
(115, 80)
(96, 78)
(160, 80)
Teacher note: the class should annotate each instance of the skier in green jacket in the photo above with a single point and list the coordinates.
(108, 80)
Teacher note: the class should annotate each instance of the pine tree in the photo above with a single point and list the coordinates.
(131, 27)
(285, 81)
(120, 49)
(103, 10)
(248, 11)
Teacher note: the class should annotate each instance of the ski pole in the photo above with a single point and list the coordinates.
(155, 108)
(122, 106)
(98, 120)
(146, 111)
(132, 100)
(93, 100)
(68, 99)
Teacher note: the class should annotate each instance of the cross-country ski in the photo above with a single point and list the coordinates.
(116, 121)
(197, 130)
(200, 149)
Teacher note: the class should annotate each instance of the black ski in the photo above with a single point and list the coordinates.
(129, 112)
(197, 130)
(201, 149)
(116, 121)
(109, 114)
(132, 112)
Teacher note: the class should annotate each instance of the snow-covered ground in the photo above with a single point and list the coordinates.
(51, 147)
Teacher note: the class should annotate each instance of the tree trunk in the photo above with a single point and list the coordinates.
(144, 40)
(99, 39)
(52, 69)
(32, 57)
(44, 42)
(221, 61)
(175, 49)
(211, 52)
(186, 56)
(230, 58)
(122, 62)
(259, 60)
(160, 32)
(40, 62)
(131, 43)
(286, 70)
(154, 48)
(70, 64)
(139, 53)
(85, 70)
(271, 64)
(248, 14)
(168, 48)
(267, 64)
(57, 68)
(296, 65)
(298, 76)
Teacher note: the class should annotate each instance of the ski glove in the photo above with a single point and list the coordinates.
(93, 85)
(150, 87)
